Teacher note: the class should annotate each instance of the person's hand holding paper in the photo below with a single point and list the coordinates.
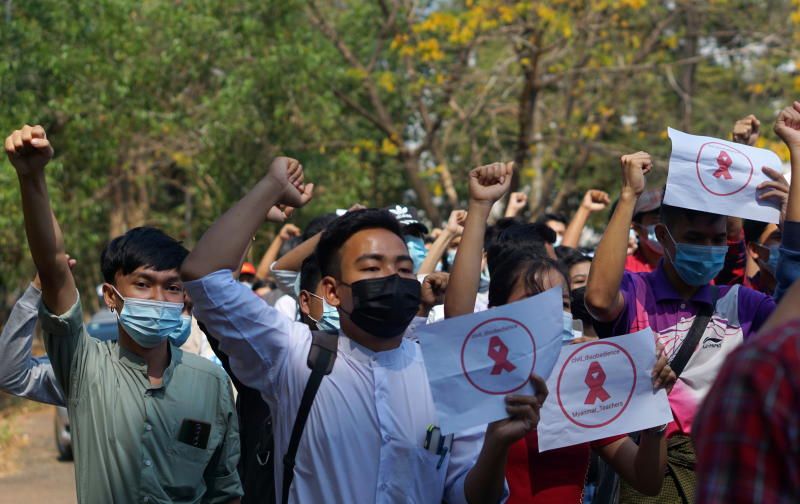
(475, 361)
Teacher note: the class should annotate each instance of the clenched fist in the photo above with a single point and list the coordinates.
(516, 203)
(595, 200)
(432, 292)
(746, 130)
(634, 168)
(489, 183)
(29, 150)
(287, 174)
(787, 125)
(455, 224)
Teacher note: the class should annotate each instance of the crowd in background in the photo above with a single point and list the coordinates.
(300, 379)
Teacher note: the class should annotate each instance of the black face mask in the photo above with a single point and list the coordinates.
(384, 306)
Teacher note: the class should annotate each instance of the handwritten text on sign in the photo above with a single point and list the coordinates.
(601, 389)
(475, 360)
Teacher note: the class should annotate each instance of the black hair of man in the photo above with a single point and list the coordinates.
(671, 215)
(536, 232)
(558, 217)
(318, 224)
(309, 274)
(141, 247)
(753, 230)
(338, 232)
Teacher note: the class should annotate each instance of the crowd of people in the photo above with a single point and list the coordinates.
(301, 379)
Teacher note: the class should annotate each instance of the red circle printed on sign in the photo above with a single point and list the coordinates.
(584, 367)
(492, 345)
(734, 169)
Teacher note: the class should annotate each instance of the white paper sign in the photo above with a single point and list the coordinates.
(600, 389)
(475, 360)
(721, 177)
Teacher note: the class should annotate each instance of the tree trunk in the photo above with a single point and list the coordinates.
(425, 201)
(525, 123)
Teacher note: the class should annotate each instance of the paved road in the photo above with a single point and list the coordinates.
(41, 478)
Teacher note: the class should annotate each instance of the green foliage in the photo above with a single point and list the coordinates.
(164, 112)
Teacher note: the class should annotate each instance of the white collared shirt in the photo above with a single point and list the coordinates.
(364, 438)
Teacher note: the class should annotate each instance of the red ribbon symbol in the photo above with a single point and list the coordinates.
(498, 352)
(595, 378)
(724, 162)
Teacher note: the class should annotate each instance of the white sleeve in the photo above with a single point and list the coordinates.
(256, 338)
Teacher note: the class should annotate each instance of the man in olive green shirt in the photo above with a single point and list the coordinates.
(150, 423)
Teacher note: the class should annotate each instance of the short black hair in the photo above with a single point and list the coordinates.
(493, 232)
(536, 232)
(753, 230)
(569, 257)
(318, 224)
(141, 247)
(340, 230)
(671, 215)
(310, 274)
(520, 262)
(558, 217)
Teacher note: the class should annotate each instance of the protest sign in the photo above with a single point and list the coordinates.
(720, 177)
(601, 389)
(475, 360)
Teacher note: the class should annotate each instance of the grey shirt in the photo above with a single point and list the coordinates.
(21, 374)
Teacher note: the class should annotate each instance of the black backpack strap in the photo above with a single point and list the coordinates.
(695, 333)
(321, 358)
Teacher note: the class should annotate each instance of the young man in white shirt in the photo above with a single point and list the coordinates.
(364, 438)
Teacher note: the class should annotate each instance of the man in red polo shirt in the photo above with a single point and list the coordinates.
(645, 218)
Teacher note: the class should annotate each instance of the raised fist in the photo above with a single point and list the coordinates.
(455, 224)
(595, 200)
(433, 288)
(489, 183)
(787, 125)
(288, 231)
(634, 168)
(746, 130)
(287, 175)
(28, 149)
(516, 203)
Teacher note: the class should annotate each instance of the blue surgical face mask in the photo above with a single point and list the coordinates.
(186, 329)
(417, 250)
(697, 265)
(483, 286)
(567, 334)
(329, 321)
(772, 262)
(150, 322)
